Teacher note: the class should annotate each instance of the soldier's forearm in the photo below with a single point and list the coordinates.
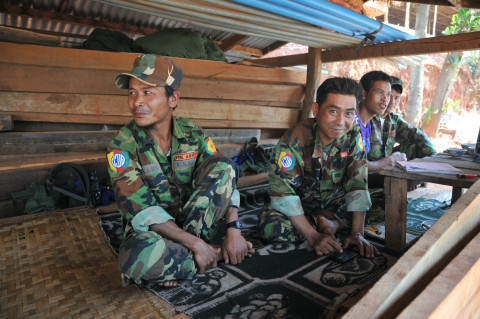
(358, 221)
(171, 231)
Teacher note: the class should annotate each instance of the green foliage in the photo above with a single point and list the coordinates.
(452, 106)
(429, 113)
(466, 20)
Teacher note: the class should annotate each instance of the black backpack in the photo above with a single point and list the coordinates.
(74, 184)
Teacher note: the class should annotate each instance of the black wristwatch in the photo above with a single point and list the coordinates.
(235, 224)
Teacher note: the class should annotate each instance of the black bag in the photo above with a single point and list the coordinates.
(74, 184)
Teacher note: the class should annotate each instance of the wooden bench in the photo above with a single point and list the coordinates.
(61, 105)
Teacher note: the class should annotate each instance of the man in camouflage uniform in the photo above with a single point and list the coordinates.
(318, 178)
(377, 92)
(390, 128)
(171, 186)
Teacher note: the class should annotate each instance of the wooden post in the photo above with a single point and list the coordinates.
(314, 73)
(395, 213)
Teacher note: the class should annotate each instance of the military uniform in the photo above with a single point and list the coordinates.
(307, 177)
(365, 131)
(190, 185)
(413, 142)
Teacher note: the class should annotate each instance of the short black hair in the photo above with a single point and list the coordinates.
(168, 91)
(368, 79)
(339, 85)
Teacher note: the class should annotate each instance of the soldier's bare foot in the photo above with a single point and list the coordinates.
(327, 226)
(168, 284)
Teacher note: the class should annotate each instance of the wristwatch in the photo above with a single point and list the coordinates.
(235, 224)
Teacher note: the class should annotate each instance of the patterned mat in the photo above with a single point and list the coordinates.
(278, 281)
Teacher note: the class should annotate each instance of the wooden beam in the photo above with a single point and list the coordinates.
(232, 41)
(314, 72)
(273, 47)
(449, 43)
(445, 284)
(13, 53)
(83, 21)
(423, 261)
(430, 2)
(23, 36)
(6, 123)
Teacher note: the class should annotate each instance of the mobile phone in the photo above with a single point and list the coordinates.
(346, 255)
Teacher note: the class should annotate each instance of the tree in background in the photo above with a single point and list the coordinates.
(415, 96)
(465, 21)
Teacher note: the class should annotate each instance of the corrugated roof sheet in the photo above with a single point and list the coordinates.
(218, 19)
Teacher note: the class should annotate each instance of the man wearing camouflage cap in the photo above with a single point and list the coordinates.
(318, 181)
(171, 186)
(390, 128)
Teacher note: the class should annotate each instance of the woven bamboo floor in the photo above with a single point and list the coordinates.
(60, 265)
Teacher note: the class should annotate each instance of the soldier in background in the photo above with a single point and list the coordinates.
(318, 180)
(172, 188)
(389, 129)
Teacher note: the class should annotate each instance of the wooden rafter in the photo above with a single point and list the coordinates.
(450, 43)
(455, 3)
(232, 41)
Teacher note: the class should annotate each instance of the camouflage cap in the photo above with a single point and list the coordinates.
(152, 70)
(397, 83)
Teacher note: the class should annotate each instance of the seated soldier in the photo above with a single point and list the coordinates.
(318, 180)
(171, 186)
(389, 129)
(377, 92)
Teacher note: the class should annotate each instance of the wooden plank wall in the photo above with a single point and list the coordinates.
(61, 104)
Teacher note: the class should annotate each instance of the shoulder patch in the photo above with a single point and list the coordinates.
(118, 160)
(211, 150)
(359, 142)
(286, 161)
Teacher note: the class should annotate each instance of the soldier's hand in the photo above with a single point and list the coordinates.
(396, 157)
(205, 255)
(365, 248)
(235, 248)
(325, 244)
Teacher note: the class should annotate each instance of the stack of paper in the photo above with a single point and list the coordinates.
(439, 168)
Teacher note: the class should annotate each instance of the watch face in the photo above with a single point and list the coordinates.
(235, 224)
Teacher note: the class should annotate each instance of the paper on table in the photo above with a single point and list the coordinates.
(439, 168)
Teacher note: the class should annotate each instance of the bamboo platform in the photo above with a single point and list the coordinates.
(60, 265)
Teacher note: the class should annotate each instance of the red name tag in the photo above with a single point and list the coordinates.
(343, 154)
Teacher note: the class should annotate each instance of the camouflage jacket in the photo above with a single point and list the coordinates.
(149, 187)
(413, 142)
(300, 183)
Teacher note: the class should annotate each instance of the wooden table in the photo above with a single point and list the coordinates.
(395, 186)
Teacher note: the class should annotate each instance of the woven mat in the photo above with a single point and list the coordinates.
(60, 265)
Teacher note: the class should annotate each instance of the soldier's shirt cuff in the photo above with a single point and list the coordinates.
(235, 199)
(288, 205)
(358, 201)
(149, 216)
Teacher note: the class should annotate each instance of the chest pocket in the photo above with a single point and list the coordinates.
(338, 169)
(184, 166)
(155, 177)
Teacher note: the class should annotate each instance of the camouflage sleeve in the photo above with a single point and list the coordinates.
(357, 198)
(376, 140)
(413, 142)
(133, 196)
(286, 175)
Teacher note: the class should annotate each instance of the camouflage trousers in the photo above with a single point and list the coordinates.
(147, 256)
(277, 227)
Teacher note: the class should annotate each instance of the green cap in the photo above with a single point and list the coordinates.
(397, 83)
(152, 70)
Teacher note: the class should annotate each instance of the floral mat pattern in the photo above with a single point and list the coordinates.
(278, 281)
